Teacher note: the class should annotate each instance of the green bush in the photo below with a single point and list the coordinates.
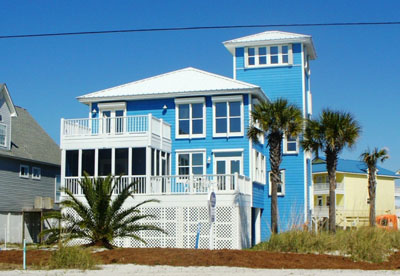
(363, 244)
(72, 257)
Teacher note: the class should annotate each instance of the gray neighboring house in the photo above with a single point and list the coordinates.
(29, 172)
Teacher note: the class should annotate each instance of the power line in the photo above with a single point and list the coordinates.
(201, 28)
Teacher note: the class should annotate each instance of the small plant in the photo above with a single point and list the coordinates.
(72, 257)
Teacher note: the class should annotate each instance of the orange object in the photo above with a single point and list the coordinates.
(387, 222)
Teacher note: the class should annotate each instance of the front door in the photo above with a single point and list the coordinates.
(225, 167)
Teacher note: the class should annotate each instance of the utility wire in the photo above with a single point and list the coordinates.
(200, 28)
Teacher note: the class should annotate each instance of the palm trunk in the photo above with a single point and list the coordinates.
(275, 161)
(372, 193)
(331, 164)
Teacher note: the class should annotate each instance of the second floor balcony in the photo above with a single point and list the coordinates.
(323, 188)
(143, 130)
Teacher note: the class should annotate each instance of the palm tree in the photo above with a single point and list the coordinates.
(275, 119)
(331, 133)
(371, 159)
(100, 217)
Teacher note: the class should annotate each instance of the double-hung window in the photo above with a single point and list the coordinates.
(190, 163)
(228, 116)
(268, 55)
(190, 118)
(3, 135)
(24, 171)
(36, 173)
(281, 185)
(290, 145)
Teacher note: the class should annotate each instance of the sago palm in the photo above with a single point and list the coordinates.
(99, 218)
(275, 119)
(371, 159)
(331, 133)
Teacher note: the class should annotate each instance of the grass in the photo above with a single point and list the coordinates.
(72, 257)
(362, 244)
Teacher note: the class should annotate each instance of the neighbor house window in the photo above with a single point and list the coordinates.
(319, 201)
(268, 55)
(281, 186)
(36, 173)
(3, 135)
(24, 171)
(190, 163)
(259, 167)
(228, 116)
(190, 118)
(290, 145)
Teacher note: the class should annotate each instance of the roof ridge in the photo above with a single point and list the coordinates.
(272, 31)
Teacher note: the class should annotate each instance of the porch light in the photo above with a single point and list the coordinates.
(94, 111)
(209, 160)
(165, 107)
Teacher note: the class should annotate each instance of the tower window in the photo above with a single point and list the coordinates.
(268, 55)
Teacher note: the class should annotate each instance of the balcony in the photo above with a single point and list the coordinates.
(323, 188)
(173, 185)
(323, 211)
(143, 130)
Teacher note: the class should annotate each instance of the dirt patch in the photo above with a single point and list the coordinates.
(191, 257)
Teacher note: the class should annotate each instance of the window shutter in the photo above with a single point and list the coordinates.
(290, 54)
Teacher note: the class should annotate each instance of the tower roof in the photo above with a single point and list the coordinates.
(271, 37)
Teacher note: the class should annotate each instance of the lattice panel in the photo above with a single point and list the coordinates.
(181, 225)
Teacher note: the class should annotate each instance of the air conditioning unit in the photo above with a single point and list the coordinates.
(38, 202)
(47, 203)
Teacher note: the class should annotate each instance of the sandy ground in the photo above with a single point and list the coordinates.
(129, 269)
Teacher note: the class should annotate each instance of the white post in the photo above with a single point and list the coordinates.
(61, 132)
(5, 238)
(148, 169)
(149, 128)
(236, 182)
(161, 134)
(129, 165)
(211, 236)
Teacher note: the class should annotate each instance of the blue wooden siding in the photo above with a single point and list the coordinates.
(276, 82)
(155, 107)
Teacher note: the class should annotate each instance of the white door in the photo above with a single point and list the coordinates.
(225, 167)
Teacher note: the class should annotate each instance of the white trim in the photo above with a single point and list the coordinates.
(226, 158)
(227, 99)
(284, 142)
(226, 150)
(234, 65)
(112, 105)
(33, 174)
(189, 150)
(26, 170)
(283, 180)
(190, 101)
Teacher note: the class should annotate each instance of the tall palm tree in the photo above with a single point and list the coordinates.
(275, 119)
(331, 133)
(100, 217)
(371, 159)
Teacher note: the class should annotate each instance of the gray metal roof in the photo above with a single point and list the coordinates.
(29, 141)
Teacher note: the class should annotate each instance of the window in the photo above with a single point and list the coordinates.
(3, 135)
(319, 201)
(228, 116)
(190, 118)
(268, 55)
(36, 173)
(281, 186)
(259, 167)
(290, 145)
(190, 163)
(24, 171)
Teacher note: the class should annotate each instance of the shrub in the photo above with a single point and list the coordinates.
(67, 257)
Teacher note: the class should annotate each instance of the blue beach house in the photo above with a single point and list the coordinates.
(181, 134)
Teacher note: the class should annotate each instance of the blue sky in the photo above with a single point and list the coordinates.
(357, 69)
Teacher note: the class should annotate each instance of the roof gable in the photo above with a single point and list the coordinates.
(4, 93)
(187, 81)
(271, 37)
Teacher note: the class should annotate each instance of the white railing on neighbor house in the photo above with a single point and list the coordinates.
(397, 191)
(115, 126)
(323, 211)
(193, 184)
(325, 186)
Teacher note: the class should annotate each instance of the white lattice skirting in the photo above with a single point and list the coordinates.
(231, 229)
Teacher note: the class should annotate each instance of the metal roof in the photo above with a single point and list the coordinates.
(185, 82)
(30, 142)
(271, 37)
(350, 166)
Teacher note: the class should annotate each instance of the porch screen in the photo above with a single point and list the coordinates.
(139, 161)
(104, 162)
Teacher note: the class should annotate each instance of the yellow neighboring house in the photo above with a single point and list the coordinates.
(352, 208)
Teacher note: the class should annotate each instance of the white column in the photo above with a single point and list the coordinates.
(161, 134)
(63, 159)
(148, 169)
(80, 163)
(96, 163)
(113, 161)
(130, 164)
(149, 129)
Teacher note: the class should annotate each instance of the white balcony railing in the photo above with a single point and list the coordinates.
(115, 126)
(193, 184)
(325, 186)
